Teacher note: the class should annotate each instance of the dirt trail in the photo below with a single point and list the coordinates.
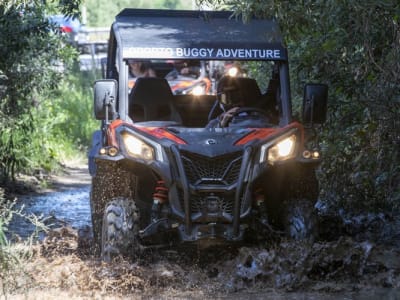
(346, 267)
(74, 175)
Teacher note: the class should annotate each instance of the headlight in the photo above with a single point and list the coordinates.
(233, 72)
(137, 148)
(281, 150)
(198, 90)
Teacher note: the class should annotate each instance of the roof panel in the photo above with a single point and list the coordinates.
(196, 34)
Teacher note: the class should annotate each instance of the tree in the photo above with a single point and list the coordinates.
(96, 8)
(29, 48)
(355, 49)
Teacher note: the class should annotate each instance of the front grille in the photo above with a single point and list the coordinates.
(222, 169)
(199, 203)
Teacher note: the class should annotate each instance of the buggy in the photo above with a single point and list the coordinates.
(161, 176)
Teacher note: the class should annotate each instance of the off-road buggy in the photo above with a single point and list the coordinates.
(161, 176)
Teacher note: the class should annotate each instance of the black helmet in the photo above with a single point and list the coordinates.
(229, 92)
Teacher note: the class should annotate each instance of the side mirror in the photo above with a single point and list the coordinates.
(315, 103)
(105, 93)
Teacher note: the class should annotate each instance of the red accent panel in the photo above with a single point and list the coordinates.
(263, 133)
(157, 132)
(161, 133)
(259, 133)
(111, 137)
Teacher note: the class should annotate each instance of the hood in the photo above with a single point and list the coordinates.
(214, 142)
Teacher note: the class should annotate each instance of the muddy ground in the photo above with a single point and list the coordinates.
(355, 258)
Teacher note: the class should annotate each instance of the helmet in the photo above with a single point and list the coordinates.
(229, 92)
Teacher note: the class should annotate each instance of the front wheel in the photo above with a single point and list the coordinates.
(300, 219)
(120, 229)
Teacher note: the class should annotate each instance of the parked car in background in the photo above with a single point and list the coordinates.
(68, 26)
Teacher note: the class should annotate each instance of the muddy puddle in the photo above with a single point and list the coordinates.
(67, 208)
(356, 259)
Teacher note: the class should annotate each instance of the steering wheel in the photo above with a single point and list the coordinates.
(255, 117)
(250, 110)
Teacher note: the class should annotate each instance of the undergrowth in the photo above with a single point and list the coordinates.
(13, 255)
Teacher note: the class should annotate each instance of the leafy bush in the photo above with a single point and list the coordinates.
(98, 18)
(73, 106)
(28, 52)
(45, 114)
(355, 49)
(62, 124)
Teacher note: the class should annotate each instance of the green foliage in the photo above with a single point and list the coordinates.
(28, 50)
(69, 112)
(355, 49)
(62, 125)
(96, 8)
(34, 61)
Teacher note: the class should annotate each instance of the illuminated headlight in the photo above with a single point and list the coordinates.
(233, 71)
(137, 148)
(281, 150)
(198, 90)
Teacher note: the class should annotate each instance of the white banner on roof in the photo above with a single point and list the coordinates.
(202, 53)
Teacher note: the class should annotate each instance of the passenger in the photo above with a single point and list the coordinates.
(190, 69)
(141, 69)
(185, 68)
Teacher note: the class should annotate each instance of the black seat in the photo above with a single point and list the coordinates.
(252, 94)
(245, 91)
(249, 91)
(151, 99)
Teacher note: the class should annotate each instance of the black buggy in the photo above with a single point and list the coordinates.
(160, 175)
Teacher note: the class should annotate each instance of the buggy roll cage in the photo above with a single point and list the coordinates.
(193, 35)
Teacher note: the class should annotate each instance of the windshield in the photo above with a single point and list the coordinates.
(219, 85)
(200, 77)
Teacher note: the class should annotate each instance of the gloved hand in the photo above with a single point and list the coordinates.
(226, 117)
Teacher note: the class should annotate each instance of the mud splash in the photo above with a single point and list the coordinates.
(342, 269)
(356, 257)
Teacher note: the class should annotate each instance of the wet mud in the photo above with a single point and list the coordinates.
(341, 269)
(353, 258)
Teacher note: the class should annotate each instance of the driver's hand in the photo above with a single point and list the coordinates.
(226, 117)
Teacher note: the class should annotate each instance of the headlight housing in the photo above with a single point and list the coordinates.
(282, 150)
(279, 150)
(137, 147)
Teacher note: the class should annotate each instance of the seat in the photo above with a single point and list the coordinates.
(244, 91)
(254, 98)
(249, 91)
(151, 99)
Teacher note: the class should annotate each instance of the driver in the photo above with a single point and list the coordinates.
(236, 108)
